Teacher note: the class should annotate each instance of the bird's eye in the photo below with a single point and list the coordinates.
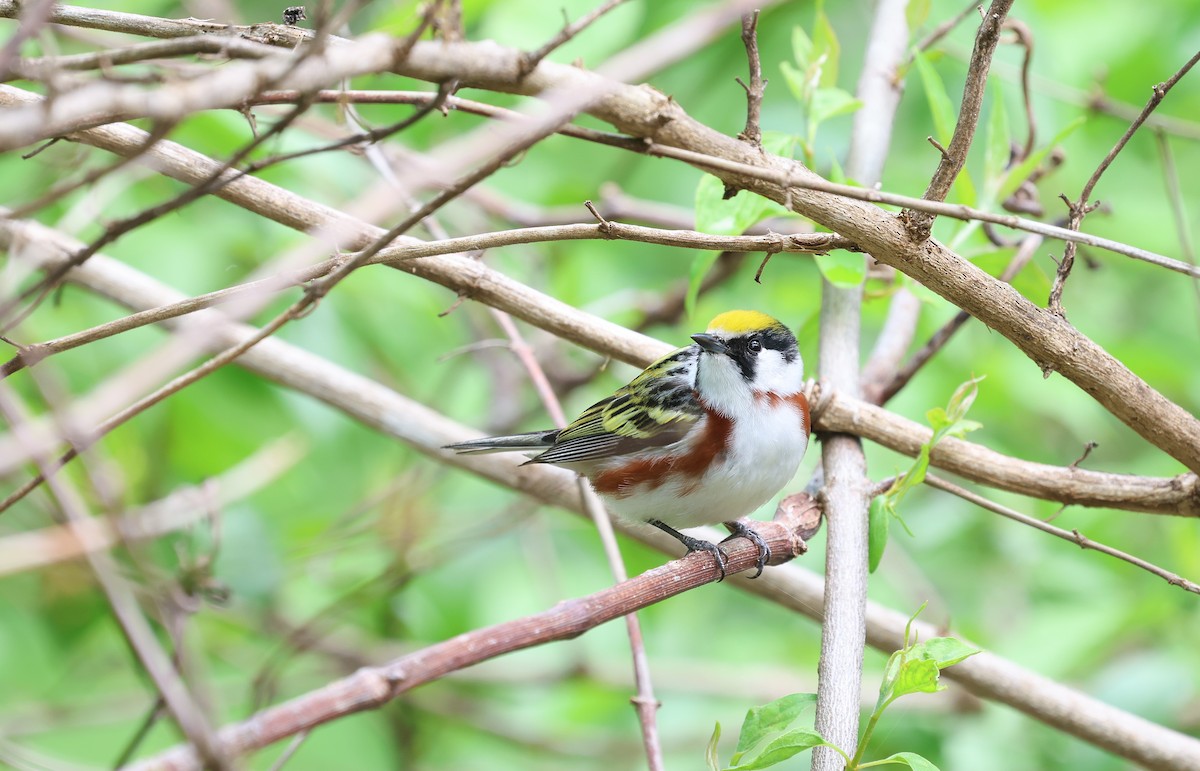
(755, 345)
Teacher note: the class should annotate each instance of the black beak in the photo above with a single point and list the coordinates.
(711, 343)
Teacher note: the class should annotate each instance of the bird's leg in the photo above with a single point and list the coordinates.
(738, 530)
(694, 544)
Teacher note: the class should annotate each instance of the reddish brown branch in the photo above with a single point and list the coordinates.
(372, 687)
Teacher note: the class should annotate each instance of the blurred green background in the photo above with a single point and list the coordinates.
(373, 549)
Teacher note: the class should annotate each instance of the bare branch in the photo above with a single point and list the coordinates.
(798, 181)
(372, 687)
(35, 549)
(1024, 37)
(754, 91)
(1079, 208)
(843, 463)
(884, 391)
(46, 66)
(1175, 196)
(568, 32)
(919, 224)
(1074, 536)
(137, 631)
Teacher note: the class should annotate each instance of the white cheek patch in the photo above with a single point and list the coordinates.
(777, 374)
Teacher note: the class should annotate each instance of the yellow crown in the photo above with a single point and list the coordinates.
(738, 322)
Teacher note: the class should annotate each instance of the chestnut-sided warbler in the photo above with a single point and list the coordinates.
(704, 435)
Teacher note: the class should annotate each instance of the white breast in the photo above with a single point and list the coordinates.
(766, 446)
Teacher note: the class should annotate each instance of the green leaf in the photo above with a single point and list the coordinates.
(952, 421)
(838, 175)
(778, 143)
(1019, 173)
(940, 106)
(710, 752)
(997, 148)
(878, 518)
(842, 269)
(826, 45)
(781, 748)
(701, 264)
(910, 759)
(962, 190)
(916, 676)
(802, 47)
(797, 83)
(831, 102)
(945, 421)
(916, 667)
(725, 217)
(731, 217)
(776, 716)
(943, 651)
(916, 12)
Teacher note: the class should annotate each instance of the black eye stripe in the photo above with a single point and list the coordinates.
(778, 339)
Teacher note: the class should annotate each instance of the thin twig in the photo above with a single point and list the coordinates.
(458, 103)
(119, 228)
(943, 29)
(371, 687)
(919, 224)
(289, 751)
(812, 243)
(1024, 38)
(644, 702)
(956, 211)
(1079, 208)
(1178, 210)
(158, 131)
(938, 340)
(531, 60)
(754, 91)
(1074, 536)
(134, 626)
(43, 67)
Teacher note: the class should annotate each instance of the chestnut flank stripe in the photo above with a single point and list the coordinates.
(623, 481)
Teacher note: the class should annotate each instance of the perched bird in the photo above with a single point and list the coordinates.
(705, 434)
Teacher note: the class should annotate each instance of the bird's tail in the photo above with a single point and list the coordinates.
(535, 440)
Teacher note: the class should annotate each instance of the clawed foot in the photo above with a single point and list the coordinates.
(738, 530)
(696, 544)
